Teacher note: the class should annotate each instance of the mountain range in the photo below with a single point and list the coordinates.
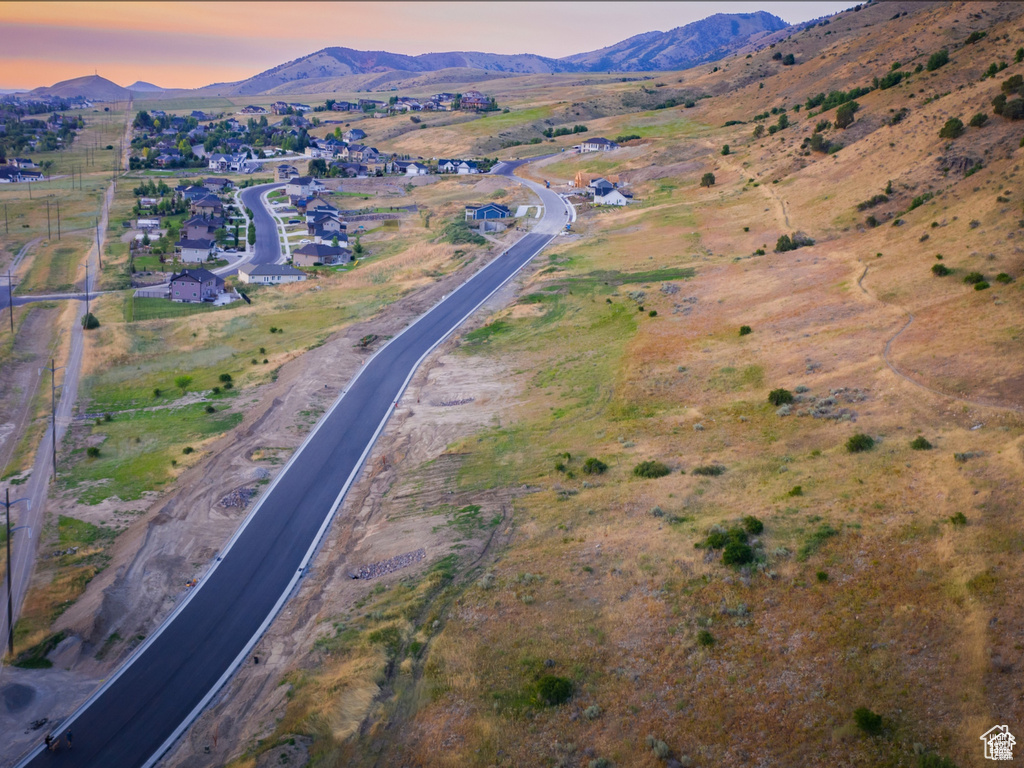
(701, 41)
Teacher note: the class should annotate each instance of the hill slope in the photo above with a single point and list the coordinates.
(89, 87)
(706, 40)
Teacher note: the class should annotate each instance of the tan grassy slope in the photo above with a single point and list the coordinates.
(870, 590)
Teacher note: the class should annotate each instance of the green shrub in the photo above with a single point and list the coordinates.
(780, 397)
(978, 120)
(225, 377)
(92, 452)
(553, 690)
(705, 639)
(210, 409)
(959, 519)
(737, 553)
(796, 490)
(953, 128)
(156, 392)
(867, 721)
(752, 525)
(980, 286)
(937, 59)
(744, 330)
(932, 760)
(725, 149)
(940, 270)
(919, 443)
(844, 115)
(788, 60)
(1003, 278)
(974, 37)
(707, 180)
(594, 466)
(89, 321)
(708, 470)
(973, 278)
(859, 443)
(188, 449)
(650, 469)
(822, 576)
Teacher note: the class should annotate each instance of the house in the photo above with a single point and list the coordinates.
(300, 108)
(367, 104)
(315, 254)
(221, 162)
(22, 162)
(192, 192)
(474, 100)
(195, 285)
(207, 206)
(461, 167)
(302, 186)
(352, 170)
(487, 211)
(597, 144)
(610, 196)
(269, 274)
(600, 186)
(409, 168)
(286, 172)
(361, 153)
(279, 108)
(9, 174)
(584, 179)
(195, 251)
(217, 185)
(319, 205)
(253, 110)
(198, 115)
(344, 106)
(353, 134)
(31, 175)
(147, 224)
(327, 230)
(201, 228)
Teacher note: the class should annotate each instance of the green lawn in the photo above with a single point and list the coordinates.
(137, 449)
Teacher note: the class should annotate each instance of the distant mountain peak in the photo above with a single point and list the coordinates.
(706, 40)
(143, 87)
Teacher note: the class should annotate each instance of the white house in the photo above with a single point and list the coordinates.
(195, 251)
(270, 274)
(597, 144)
(302, 186)
(611, 197)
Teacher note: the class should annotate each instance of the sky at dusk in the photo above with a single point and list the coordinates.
(192, 44)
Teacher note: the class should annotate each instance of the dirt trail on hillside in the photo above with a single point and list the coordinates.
(781, 214)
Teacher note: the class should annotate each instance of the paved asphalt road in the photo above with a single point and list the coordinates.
(145, 707)
(268, 246)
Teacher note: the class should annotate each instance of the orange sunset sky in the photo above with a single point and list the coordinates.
(190, 44)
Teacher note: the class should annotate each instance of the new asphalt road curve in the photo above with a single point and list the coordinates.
(147, 705)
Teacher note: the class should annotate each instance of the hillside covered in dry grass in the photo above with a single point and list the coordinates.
(791, 544)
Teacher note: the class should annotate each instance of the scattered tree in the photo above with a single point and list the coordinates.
(182, 382)
(937, 59)
(707, 180)
(953, 128)
(844, 115)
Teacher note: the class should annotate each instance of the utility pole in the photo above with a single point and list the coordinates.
(99, 256)
(87, 287)
(53, 410)
(10, 298)
(10, 585)
(48, 233)
(5, 219)
(58, 219)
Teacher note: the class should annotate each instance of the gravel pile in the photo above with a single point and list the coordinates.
(392, 564)
(240, 497)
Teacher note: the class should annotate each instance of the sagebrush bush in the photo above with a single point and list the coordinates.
(860, 442)
(708, 470)
(92, 452)
(919, 443)
(940, 270)
(553, 690)
(705, 639)
(868, 721)
(973, 278)
(737, 553)
(752, 525)
(780, 396)
(744, 330)
(650, 469)
(959, 519)
(953, 128)
(594, 466)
